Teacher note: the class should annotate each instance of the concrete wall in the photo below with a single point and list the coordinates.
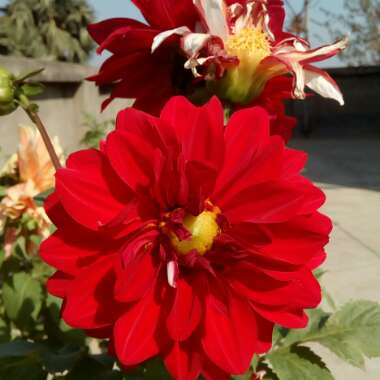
(359, 117)
(66, 97)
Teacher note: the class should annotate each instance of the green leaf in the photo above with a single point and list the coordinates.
(23, 297)
(20, 369)
(255, 362)
(352, 333)
(2, 254)
(33, 107)
(110, 375)
(32, 89)
(57, 330)
(62, 360)
(155, 369)
(18, 348)
(19, 248)
(329, 299)
(246, 376)
(41, 197)
(300, 363)
(29, 74)
(91, 369)
(317, 318)
(269, 374)
(319, 273)
(4, 331)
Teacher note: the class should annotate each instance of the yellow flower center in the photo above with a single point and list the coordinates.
(203, 228)
(249, 43)
(243, 83)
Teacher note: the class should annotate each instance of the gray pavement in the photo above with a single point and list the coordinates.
(348, 170)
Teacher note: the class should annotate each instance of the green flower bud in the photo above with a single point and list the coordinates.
(7, 92)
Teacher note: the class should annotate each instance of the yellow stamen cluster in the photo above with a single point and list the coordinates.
(252, 42)
(243, 82)
(203, 228)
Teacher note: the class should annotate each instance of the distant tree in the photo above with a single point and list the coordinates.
(360, 20)
(299, 19)
(51, 29)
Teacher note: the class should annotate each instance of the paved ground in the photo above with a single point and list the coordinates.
(349, 172)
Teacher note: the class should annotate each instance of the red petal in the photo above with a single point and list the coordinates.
(101, 30)
(230, 336)
(276, 12)
(134, 332)
(89, 190)
(212, 372)
(264, 334)
(183, 362)
(90, 303)
(69, 258)
(131, 157)
(292, 319)
(299, 240)
(103, 333)
(273, 202)
(157, 132)
(129, 39)
(185, 314)
(246, 135)
(114, 68)
(317, 260)
(154, 103)
(199, 129)
(263, 168)
(168, 14)
(293, 163)
(59, 284)
(136, 277)
(301, 290)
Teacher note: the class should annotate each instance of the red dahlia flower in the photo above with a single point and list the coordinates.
(185, 240)
(235, 46)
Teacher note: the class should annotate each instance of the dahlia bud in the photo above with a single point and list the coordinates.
(7, 92)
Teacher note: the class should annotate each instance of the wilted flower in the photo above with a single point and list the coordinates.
(34, 174)
(197, 48)
(183, 239)
(251, 32)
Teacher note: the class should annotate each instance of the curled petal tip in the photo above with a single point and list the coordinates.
(172, 270)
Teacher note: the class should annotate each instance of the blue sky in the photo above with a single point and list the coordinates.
(116, 8)
(124, 8)
(113, 8)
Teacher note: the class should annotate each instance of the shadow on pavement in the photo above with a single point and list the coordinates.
(348, 162)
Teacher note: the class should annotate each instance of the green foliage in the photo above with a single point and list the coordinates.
(50, 29)
(299, 363)
(22, 296)
(40, 198)
(95, 130)
(352, 333)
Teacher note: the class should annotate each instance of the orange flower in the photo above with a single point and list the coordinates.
(36, 175)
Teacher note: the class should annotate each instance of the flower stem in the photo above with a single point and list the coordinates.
(32, 111)
(28, 75)
(45, 136)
